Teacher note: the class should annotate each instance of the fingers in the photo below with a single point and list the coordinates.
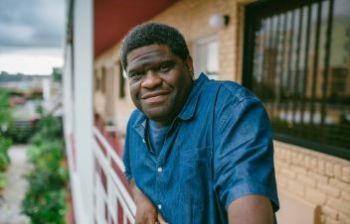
(150, 219)
(145, 218)
(161, 219)
(146, 212)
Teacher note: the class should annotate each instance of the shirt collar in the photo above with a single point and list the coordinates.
(187, 111)
(189, 108)
(140, 124)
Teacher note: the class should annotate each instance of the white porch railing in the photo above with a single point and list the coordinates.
(113, 202)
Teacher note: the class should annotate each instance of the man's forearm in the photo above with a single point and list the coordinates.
(251, 209)
(145, 210)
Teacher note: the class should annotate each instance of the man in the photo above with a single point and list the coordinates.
(195, 151)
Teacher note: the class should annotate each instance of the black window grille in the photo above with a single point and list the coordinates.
(297, 60)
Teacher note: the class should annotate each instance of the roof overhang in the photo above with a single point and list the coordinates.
(113, 19)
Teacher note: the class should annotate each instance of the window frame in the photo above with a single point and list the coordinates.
(253, 12)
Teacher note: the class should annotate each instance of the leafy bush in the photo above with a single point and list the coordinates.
(18, 130)
(5, 110)
(46, 196)
(47, 208)
(4, 162)
(5, 144)
(3, 180)
(49, 127)
(46, 153)
(21, 131)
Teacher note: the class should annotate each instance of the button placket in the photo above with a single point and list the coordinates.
(159, 184)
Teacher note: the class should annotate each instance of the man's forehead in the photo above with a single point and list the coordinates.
(149, 53)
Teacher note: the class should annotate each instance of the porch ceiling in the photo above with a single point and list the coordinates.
(113, 18)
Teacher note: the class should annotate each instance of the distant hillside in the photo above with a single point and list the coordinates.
(6, 77)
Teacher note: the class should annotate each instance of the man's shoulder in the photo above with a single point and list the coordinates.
(232, 91)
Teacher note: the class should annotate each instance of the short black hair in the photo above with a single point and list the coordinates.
(153, 33)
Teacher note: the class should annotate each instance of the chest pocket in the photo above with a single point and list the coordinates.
(194, 183)
(195, 166)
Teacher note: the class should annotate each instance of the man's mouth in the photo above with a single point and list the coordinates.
(155, 97)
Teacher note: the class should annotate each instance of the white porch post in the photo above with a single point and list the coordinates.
(83, 110)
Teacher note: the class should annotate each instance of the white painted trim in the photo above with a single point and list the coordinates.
(82, 106)
(79, 209)
(109, 149)
(116, 190)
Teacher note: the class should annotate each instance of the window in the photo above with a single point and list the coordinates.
(121, 82)
(297, 63)
(206, 57)
(103, 80)
(96, 80)
(338, 81)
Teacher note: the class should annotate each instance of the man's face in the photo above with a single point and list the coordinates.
(159, 81)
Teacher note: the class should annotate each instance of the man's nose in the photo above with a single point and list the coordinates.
(152, 80)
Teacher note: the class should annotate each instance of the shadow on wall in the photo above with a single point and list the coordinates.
(296, 210)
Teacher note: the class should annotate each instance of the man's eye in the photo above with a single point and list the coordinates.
(165, 67)
(134, 75)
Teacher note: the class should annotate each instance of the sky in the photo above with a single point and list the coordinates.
(31, 35)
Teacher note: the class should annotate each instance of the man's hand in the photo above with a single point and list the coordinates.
(146, 212)
(251, 209)
(161, 220)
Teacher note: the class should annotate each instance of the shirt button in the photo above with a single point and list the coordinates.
(159, 206)
(160, 169)
(143, 140)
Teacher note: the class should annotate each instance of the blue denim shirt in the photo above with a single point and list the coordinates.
(218, 148)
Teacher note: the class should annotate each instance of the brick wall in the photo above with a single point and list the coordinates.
(191, 18)
(318, 179)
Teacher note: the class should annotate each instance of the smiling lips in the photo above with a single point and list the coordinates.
(155, 97)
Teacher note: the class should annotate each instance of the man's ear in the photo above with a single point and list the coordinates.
(189, 65)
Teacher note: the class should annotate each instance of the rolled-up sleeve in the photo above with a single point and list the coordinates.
(243, 151)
